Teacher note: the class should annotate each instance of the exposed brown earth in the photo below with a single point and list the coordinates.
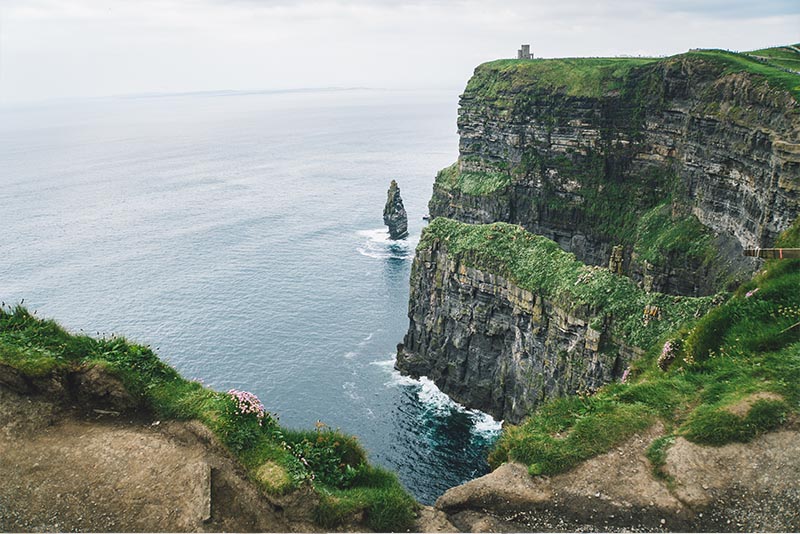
(81, 469)
(737, 487)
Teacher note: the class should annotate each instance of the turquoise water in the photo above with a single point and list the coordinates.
(241, 235)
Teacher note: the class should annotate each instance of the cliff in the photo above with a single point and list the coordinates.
(594, 153)
(633, 398)
(503, 320)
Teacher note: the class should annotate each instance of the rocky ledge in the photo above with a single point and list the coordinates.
(79, 453)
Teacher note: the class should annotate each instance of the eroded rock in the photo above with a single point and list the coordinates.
(394, 214)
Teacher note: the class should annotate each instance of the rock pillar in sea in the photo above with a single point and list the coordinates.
(394, 214)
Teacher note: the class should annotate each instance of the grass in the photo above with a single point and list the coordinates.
(771, 72)
(780, 56)
(471, 182)
(657, 454)
(501, 80)
(580, 77)
(279, 460)
(746, 346)
(660, 236)
(539, 265)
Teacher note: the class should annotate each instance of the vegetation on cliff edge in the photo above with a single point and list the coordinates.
(502, 79)
(539, 265)
(727, 376)
(580, 77)
(277, 459)
(771, 65)
(471, 182)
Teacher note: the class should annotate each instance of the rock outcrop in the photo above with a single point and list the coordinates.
(495, 346)
(741, 487)
(581, 161)
(394, 214)
(78, 453)
(496, 342)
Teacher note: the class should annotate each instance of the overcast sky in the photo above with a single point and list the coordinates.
(65, 48)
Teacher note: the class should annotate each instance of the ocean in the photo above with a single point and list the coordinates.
(241, 236)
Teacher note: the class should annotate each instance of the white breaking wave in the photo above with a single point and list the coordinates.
(378, 245)
(486, 424)
(434, 399)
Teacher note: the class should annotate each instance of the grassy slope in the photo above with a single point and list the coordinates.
(595, 77)
(770, 71)
(472, 183)
(787, 57)
(745, 346)
(277, 459)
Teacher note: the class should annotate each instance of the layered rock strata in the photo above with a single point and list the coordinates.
(582, 166)
(502, 320)
(495, 346)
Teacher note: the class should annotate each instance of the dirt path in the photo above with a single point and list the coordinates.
(65, 470)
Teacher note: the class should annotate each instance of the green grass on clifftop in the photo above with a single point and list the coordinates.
(539, 265)
(787, 57)
(595, 77)
(277, 459)
(730, 376)
(772, 71)
(586, 77)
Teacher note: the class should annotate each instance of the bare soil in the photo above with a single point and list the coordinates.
(65, 468)
(738, 487)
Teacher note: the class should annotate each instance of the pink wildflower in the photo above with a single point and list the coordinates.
(247, 403)
(751, 293)
(625, 375)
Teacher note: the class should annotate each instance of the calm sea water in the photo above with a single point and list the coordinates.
(241, 235)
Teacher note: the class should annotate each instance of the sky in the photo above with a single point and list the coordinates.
(86, 48)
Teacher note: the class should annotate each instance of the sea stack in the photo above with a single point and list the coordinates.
(394, 214)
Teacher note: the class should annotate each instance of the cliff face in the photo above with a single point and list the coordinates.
(658, 170)
(582, 160)
(495, 346)
(502, 320)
